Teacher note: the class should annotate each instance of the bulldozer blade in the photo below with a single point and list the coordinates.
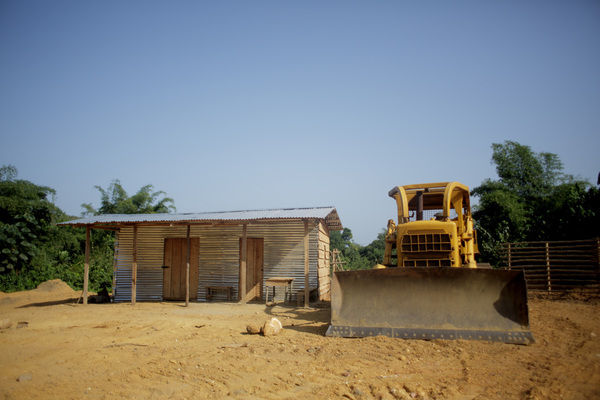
(431, 303)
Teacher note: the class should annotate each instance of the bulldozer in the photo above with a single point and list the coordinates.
(429, 285)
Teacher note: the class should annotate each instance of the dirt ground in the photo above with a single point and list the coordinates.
(57, 349)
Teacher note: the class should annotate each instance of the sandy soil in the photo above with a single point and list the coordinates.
(57, 349)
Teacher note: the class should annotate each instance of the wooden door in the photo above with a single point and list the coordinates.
(254, 268)
(175, 267)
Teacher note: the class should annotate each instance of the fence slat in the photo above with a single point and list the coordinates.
(556, 266)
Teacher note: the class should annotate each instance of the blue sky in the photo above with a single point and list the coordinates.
(234, 105)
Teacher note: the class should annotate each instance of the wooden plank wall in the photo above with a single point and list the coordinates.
(555, 267)
(219, 256)
(323, 262)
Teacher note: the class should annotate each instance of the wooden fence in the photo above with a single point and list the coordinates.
(556, 266)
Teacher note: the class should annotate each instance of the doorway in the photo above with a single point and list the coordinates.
(175, 268)
(254, 268)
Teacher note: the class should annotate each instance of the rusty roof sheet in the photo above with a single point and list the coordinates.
(329, 214)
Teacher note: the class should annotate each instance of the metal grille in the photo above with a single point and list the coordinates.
(426, 249)
(428, 263)
(427, 242)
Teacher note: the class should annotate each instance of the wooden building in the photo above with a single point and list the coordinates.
(222, 255)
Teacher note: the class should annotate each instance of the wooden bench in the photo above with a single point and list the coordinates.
(300, 295)
(210, 291)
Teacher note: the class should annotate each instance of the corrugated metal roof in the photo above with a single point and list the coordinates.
(329, 214)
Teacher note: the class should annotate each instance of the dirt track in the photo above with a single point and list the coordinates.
(164, 350)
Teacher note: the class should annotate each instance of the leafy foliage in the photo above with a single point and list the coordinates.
(35, 250)
(354, 255)
(532, 201)
(114, 200)
(374, 251)
(25, 215)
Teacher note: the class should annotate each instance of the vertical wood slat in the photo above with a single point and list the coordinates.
(115, 264)
(306, 266)
(598, 252)
(176, 274)
(556, 266)
(134, 266)
(181, 248)
(194, 257)
(86, 272)
(548, 268)
(254, 267)
(167, 263)
(323, 262)
(243, 256)
(187, 269)
(259, 260)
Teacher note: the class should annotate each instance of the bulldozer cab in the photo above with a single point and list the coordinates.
(435, 227)
(444, 197)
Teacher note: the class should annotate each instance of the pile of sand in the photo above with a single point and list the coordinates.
(55, 286)
(53, 289)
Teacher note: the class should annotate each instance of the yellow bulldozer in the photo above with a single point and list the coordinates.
(428, 285)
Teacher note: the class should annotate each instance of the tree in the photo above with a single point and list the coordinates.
(25, 216)
(114, 200)
(525, 172)
(375, 250)
(349, 251)
(354, 255)
(532, 201)
(340, 240)
(33, 249)
(571, 213)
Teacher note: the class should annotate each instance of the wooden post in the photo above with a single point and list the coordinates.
(86, 272)
(598, 252)
(115, 263)
(187, 270)
(336, 262)
(548, 268)
(306, 265)
(134, 267)
(243, 264)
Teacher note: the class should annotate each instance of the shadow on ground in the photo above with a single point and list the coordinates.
(51, 303)
(314, 320)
